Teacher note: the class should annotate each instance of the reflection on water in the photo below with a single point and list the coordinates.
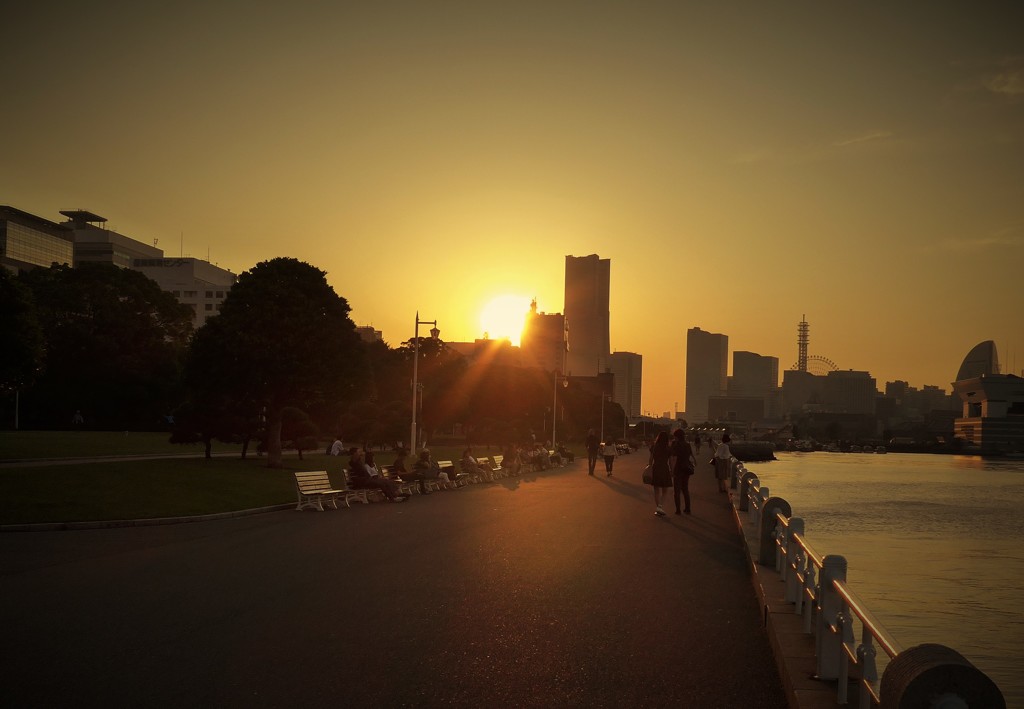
(933, 545)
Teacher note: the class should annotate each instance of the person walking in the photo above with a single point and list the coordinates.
(608, 452)
(661, 473)
(683, 464)
(722, 456)
(696, 441)
(593, 446)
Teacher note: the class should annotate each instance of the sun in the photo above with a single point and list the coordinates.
(504, 316)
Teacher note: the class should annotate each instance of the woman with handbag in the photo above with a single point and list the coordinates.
(682, 468)
(721, 460)
(661, 473)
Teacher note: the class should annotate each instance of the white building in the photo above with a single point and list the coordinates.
(194, 282)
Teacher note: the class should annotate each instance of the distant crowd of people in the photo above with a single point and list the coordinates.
(672, 461)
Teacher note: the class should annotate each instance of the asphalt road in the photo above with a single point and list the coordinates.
(551, 590)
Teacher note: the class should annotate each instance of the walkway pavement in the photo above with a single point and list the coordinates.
(551, 590)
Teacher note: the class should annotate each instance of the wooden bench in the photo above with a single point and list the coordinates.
(314, 489)
(361, 494)
(487, 468)
(448, 467)
(406, 488)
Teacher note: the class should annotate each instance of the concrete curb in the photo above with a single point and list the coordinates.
(151, 522)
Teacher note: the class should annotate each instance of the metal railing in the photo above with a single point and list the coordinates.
(830, 610)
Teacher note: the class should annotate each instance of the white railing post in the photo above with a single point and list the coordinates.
(809, 589)
(748, 484)
(767, 549)
(829, 640)
(866, 659)
(794, 555)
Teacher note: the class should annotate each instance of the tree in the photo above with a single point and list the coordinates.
(21, 337)
(283, 338)
(114, 344)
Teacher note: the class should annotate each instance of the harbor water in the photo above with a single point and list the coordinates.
(934, 545)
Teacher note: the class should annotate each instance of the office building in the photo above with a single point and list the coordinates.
(95, 243)
(194, 282)
(628, 370)
(707, 363)
(587, 288)
(992, 416)
(757, 376)
(28, 241)
(368, 334)
(850, 392)
(543, 340)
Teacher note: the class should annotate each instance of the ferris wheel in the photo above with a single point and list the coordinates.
(818, 365)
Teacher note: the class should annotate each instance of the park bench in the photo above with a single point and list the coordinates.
(314, 489)
(448, 467)
(361, 494)
(406, 488)
(497, 471)
(487, 468)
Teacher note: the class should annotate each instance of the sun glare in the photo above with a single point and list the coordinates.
(504, 317)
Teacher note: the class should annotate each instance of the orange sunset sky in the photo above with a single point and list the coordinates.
(741, 164)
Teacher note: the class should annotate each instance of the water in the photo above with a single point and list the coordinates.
(933, 544)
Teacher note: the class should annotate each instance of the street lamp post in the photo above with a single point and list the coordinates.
(434, 332)
(603, 396)
(554, 406)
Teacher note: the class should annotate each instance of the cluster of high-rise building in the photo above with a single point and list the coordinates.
(30, 241)
(576, 344)
(985, 410)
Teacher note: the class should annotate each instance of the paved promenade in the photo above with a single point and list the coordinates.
(550, 590)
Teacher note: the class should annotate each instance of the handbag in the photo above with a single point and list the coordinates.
(648, 475)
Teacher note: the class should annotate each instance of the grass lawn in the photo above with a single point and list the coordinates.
(141, 489)
(151, 488)
(25, 445)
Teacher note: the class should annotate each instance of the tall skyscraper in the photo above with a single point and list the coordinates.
(707, 365)
(628, 370)
(587, 286)
(757, 376)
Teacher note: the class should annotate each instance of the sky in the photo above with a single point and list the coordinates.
(742, 164)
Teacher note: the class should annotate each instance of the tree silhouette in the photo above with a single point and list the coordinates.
(283, 338)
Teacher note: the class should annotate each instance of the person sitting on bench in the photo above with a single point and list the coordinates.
(367, 476)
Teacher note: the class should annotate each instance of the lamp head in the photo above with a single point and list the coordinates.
(434, 332)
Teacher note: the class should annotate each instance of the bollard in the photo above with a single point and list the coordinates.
(745, 484)
(735, 468)
(932, 675)
(766, 549)
(829, 639)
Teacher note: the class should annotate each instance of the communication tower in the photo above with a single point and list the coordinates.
(802, 339)
(815, 364)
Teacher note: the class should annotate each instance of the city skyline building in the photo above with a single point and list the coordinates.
(194, 282)
(29, 241)
(586, 308)
(94, 242)
(707, 363)
(544, 339)
(628, 370)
